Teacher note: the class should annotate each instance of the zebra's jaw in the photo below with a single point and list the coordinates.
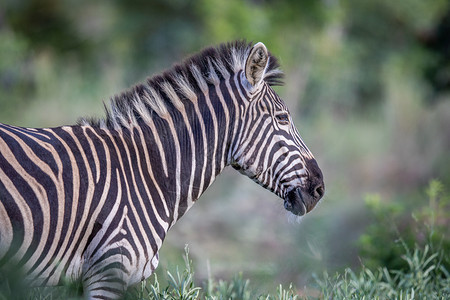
(248, 170)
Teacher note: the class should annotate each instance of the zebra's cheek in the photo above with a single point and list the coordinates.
(253, 172)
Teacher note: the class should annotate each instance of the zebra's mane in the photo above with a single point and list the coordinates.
(183, 81)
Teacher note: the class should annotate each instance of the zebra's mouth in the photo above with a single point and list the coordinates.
(299, 202)
(295, 203)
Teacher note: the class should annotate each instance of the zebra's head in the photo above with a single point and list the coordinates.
(269, 148)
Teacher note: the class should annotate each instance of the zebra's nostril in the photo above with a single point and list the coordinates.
(319, 191)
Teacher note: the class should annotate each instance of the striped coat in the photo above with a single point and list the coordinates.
(95, 200)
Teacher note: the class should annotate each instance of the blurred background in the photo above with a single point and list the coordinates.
(368, 83)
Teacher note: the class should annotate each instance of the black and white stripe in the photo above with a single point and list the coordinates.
(95, 200)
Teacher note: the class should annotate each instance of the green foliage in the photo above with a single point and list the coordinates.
(415, 222)
(426, 277)
(11, 283)
(45, 23)
(181, 286)
(237, 288)
(16, 72)
(342, 39)
(13, 286)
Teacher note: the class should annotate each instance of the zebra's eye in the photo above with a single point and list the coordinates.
(282, 119)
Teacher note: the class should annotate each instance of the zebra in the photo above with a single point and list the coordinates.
(94, 201)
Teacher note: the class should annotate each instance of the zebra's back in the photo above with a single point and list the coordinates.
(48, 179)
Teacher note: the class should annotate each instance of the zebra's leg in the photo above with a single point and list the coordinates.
(107, 277)
(110, 286)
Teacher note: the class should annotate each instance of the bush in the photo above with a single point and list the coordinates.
(426, 277)
(414, 222)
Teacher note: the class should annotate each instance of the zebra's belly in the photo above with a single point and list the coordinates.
(55, 272)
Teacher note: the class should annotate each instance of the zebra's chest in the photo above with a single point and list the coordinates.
(121, 234)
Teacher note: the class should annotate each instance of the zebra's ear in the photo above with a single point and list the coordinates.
(256, 63)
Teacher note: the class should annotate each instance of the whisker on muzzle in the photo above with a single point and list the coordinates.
(293, 218)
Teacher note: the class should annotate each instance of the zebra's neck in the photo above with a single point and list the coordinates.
(185, 147)
(188, 117)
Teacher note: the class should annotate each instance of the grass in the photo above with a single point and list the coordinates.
(425, 278)
(181, 285)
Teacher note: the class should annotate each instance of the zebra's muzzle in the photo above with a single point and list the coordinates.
(302, 200)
